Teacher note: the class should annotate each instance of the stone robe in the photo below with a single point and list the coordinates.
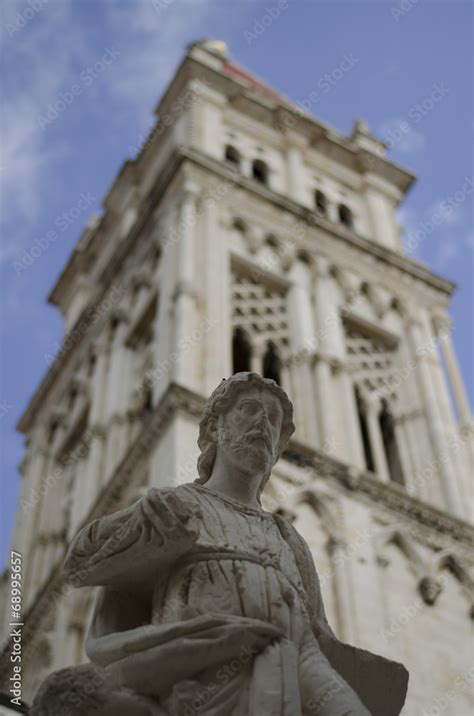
(233, 626)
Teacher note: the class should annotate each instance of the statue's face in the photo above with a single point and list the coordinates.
(249, 431)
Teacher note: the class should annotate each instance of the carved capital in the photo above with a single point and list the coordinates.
(322, 267)
(380, 298)
(349, 282)
(353, 478)
(430, 589)
(442, 324)
(118, 316)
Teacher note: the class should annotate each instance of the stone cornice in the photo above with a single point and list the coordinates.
(416, 269)
(81, 328)
(281, 113)
(170, 169)
(387, 494)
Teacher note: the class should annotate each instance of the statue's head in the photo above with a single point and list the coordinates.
(250, 419)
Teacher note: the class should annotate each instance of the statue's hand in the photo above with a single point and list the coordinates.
(177, 524)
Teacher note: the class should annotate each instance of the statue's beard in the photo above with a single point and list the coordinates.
(250, 455)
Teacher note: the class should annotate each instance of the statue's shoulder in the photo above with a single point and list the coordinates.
(291, 535)
(185, 493)
(299, 547)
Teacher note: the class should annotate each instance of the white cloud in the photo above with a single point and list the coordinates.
(450, 215)
(35, 72)
(150, 37)
(392, 69)
(470, 240)
(399, 135)
(447, 249)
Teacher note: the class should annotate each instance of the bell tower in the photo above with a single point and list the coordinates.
(247, 235)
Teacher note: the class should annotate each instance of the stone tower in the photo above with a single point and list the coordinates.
(248, 235)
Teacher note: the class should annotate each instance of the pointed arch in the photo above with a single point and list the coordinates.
(232, 155)
(323, 506)
(260, 171)
(405, 545)
(271, 363)
(241, 351)
(320, 202)
(345, 216)
(389, 439)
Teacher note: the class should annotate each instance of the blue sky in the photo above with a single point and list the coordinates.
(411, 79)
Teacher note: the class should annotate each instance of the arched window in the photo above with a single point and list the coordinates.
(260, 171)
(91, 364)
(232, 155)
(387, 430)
(72, 397)
(345, 216)
(239, 225)
(52, 432)
(364, 431)
(241, 351)
(148, 399)
(272, 364)
(320, 202)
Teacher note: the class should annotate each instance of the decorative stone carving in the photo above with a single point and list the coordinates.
(209, 604)
(380, 298)
(349, 282)
(430, 589)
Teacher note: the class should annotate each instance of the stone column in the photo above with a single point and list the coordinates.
(166, 278)
(434, 418)
(338, 424)
(29, 509)
(256, 359)
(326, 316)
(404, 450)
(351, 417)
(443, 329)
(42, 547)
(372, 405)
(285, 375)
(456, 453)
(385, 230)
(325, 400)
(412, 421)
(302, 348)
(94, 467)
(217, 287)
(342, 588)
(295, 169)
(183, 358)
(114, 417)
(245, 166)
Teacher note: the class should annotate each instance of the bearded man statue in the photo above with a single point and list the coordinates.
(211, 605)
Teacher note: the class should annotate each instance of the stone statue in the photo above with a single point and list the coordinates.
(209, 604)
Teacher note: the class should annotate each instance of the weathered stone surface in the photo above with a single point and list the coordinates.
(208, 603)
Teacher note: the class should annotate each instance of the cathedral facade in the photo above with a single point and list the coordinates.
(247, 235)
